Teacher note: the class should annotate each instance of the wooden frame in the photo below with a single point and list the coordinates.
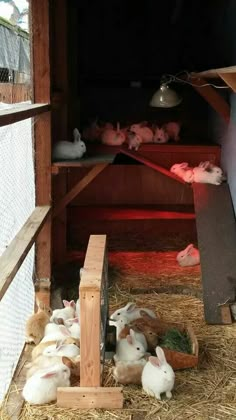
(42, 132)
(90, 394)
(15, 253)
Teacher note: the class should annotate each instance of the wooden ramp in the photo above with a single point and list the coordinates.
(216, 230)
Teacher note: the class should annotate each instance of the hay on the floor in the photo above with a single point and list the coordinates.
(207, 392)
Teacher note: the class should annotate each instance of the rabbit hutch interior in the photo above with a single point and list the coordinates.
(135, 194)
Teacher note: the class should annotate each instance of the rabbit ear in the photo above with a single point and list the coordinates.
(154, 361)
(68, 362)
(130, 337)
(183, 165)
(76, 134)
(130, 307)
(59, 344)
(144, 314)
(161, 355)
(48, 375)
(64, 330)
(189, 249)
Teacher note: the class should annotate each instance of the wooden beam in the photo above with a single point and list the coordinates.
(229, 79)
(59, 237)
(90, 291)
(19, 113)
(15, 253)
(215, 72)
(88, 398)
(210, 94)
(78, 188)
(151, 164)
(40, 40)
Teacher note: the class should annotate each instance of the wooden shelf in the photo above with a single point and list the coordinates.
(84, 162)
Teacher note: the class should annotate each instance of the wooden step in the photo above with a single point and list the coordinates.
(130, 213)
(216, 231)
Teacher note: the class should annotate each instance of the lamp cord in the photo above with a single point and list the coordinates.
(168, 78)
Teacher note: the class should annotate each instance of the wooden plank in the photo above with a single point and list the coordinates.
(59, 228)
(216, 230)
(40, 40)
(78, 188)
(229, 79)
(214, 72)
(19, 113)
(129, 213)
(15, 253)
(88, 398)
(137, 156)
(85, 162)
(210, 94)
(15, 401)
(90, 311)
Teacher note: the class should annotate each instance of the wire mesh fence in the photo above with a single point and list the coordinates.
(17, 186)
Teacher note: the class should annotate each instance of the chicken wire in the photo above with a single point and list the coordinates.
(17, 201)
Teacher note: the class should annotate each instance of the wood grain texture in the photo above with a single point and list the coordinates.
(93, 173)
(229, 79)
(90, 290)
(19, 113)
(14, 255)
(148, 162)
(216, 230)
(88, 398)
(40, 41)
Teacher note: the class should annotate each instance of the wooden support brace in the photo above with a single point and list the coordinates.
(229, 79)
(13, 257)
(88, 398)
(78, 188)
(210, 94)
(151, 164)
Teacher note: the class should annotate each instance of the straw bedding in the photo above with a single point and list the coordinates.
(208, 392)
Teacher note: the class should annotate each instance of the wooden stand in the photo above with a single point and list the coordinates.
(91, 394)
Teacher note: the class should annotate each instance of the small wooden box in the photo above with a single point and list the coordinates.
(179, 360)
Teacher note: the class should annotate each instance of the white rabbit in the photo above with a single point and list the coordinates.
(134, 140)
(160, 136)
(188, 257)
(121, 323)
(41, 388)
(66, 313)
(61, 349)
(59, 334)
(145, 133)
(45, 362)
(158, 376)
(183, 171)
(214, 176)
(73, 326)
(69, 150)
(131, 312)
(129, 348)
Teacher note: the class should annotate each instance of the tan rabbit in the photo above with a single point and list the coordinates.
(38, 350)
(44, 362)
(129, 372)
(36, 324)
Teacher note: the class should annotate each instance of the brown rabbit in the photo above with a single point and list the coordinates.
(157, 326)
(150, 335)
(35, 325)
(129, 373)
(38, 350)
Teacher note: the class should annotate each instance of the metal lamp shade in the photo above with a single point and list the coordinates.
(165, 98)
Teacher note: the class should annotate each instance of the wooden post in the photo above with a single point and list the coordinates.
(42, 132)
(90, 311)
(91, 394)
